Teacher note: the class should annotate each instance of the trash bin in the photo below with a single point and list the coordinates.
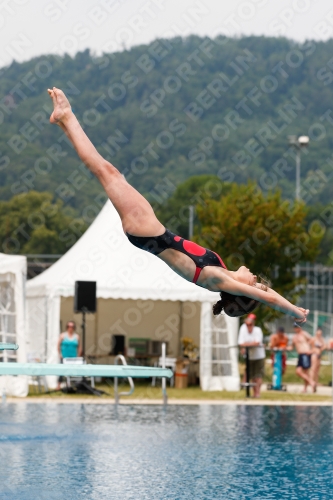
(181, 374)
(181, 381)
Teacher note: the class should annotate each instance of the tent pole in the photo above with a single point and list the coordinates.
(180, 328)
(46, 331)
(83, 326)
(96, 328)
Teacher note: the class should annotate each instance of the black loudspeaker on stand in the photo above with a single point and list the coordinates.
(84, 302)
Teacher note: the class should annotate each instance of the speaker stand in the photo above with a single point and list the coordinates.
(83, 329)
(85, 387)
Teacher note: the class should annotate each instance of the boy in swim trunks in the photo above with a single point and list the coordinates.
(301, 342)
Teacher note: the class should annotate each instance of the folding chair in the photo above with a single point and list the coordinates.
(169, 363)
(76, 361)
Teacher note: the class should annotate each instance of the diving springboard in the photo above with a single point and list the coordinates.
(5, 346)
(71, 370)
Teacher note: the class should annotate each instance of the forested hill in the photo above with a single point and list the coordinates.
(172, 109)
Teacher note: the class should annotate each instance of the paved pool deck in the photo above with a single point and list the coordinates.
(322, 390)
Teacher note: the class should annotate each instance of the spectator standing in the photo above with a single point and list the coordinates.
(302, 343)
(318, 346)
(252, 336)
(69, 345)
(279, 340)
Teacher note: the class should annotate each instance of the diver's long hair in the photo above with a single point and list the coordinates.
(234, 305)
(237, 305)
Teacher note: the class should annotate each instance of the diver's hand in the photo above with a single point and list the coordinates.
(302, 317)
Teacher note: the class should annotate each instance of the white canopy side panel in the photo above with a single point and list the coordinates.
(218, 357)
(53, 332)
(232, 383)
(205, 346)
(13, 269)
(44, 329)
(37, 328)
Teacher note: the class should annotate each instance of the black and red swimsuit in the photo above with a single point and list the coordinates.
(201, 256)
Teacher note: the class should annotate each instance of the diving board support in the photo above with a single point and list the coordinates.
(130, 380)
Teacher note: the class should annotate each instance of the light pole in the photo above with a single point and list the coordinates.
(298, 143)
(190, 221)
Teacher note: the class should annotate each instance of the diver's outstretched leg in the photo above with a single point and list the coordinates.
(136, 213)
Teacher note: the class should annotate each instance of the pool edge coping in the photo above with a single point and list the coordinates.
(177, 402)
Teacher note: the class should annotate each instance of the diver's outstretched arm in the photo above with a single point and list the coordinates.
(268, 297)
(135, 211)
(278, 299)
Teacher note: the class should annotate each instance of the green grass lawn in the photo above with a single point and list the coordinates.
(144, 390)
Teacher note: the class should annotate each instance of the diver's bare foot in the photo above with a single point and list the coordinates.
(62, 108)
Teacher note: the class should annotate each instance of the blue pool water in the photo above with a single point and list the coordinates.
(72, 451)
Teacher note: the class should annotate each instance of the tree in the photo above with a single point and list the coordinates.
(266, 233)
(32, 224)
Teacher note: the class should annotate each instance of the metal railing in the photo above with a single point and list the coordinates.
(319, 287)
(130, 380)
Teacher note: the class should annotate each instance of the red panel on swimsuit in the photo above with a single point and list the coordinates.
(197, 274)
(193, 248)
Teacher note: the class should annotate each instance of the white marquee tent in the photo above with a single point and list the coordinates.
(138, 295)
(13, 270)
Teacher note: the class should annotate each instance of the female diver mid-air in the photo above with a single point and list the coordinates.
(239, 290)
